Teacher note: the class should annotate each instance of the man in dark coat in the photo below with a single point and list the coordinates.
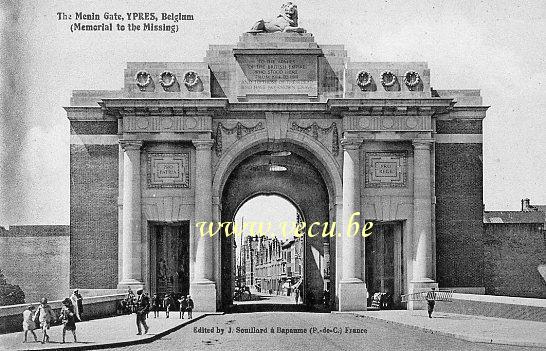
(142, 307)
(183, 306)
(431, 301)
(156, 304)
(190, 307)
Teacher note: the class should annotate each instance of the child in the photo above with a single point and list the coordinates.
(28, 322)
(190, 307)
(45, 314)
(156, 303)
(183, 306)
(68, 317)
(167, 303)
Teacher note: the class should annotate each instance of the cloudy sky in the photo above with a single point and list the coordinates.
(495, 46)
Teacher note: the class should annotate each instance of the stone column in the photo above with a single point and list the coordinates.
(131, 217)
(422, 219)
(203, 286)
(352, 289)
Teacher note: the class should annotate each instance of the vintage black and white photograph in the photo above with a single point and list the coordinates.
(283, 175)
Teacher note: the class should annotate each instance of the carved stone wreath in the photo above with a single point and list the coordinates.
(191, 79)
(388, 79)
(143, 79)
(363, 79)
(412, 79)
(167, 79)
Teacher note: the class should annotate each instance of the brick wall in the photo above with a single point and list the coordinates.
(459, 127)
(459, 215)
(512, 253)
(93, 216)
(94, 128)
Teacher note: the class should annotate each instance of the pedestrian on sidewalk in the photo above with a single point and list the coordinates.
(130, 301)
(68, 317)
(431, 300)
(168, 304)
(190, 307)
(297, 294)
(148, 297)
(156, 304)
(142, 307)
(183, 306)
(74, 300)
(28, 322)
(45, 317)
(79, 304)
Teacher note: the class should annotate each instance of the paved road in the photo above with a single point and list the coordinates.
(260, 331)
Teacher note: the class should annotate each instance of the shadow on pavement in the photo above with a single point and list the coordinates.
(271, 307)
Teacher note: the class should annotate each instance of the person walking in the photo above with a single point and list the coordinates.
(130, 300)
(431, 301)
(79, 304)
(148, 297)
(297, 294)
(142, 307)
(167, 304)
(68, 317)
(156, 304)
(183, 306)
(74, 301)
(28, 322)
(45, 317)
(190, 307)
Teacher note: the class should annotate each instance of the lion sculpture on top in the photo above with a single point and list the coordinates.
(286, 21)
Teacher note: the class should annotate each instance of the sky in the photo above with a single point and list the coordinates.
(495, 46)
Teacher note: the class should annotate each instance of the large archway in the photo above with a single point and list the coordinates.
(269, 268)
(294, 173)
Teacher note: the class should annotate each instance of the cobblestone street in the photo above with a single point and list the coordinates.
(255, 333)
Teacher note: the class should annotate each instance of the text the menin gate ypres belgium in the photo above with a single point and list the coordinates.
(127, 21)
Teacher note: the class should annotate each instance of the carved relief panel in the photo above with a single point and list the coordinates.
(386, 169)
(168, 170)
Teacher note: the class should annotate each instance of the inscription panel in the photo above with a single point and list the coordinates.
(277, 74)
(168, 170)
(386, 169)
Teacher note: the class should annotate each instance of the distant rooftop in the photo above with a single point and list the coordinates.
(493, 217)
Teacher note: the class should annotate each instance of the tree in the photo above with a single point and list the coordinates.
(10, 294)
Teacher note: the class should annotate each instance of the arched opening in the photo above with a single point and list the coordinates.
(289, 173)
(269, 255)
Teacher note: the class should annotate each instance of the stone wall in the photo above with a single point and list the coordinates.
(36, 257)
(93, 307)
(495, 306)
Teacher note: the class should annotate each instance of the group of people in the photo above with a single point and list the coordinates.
(143, 307)
(43, 316)
(185, 304)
